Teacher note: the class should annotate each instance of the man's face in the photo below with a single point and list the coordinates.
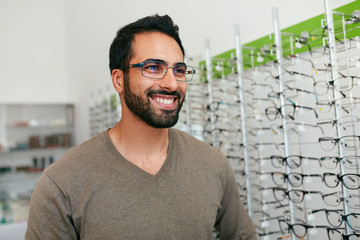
(156, 101)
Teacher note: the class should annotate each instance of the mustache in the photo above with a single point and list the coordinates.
(163, 92)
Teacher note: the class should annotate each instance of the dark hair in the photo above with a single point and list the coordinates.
(120, 49)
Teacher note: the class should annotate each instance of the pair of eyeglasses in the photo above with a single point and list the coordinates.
(156, 69)
(286, 111)
(352, 220)
(298, 127)
(349, 142)
(350, 180)
(332, 162)
(336, 234)
(292, 92)
(299, 229)
(295, 179)
(334, 199)
(322, 87)
(295, 195)
(344, 122)
(292, 161)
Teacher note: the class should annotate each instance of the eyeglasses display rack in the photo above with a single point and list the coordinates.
(297, 104)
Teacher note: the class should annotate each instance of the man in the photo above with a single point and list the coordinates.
(141, 179)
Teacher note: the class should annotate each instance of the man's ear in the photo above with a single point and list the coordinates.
(117, 77)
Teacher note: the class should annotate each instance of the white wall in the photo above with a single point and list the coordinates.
(33, 52)
(57, 50)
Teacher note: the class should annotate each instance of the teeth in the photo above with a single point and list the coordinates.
(165, 101)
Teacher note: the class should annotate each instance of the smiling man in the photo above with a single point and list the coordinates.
(141, 179)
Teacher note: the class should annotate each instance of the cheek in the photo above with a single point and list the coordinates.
(183, 88)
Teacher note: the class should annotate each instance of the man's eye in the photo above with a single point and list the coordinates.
(152, 67)
(180, 70)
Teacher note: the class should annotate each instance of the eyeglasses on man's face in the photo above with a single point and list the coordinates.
(157, 69)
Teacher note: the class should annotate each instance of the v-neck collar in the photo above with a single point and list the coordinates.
(157, 178)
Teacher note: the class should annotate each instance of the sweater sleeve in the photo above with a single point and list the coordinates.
(233, 221)
(50, 213)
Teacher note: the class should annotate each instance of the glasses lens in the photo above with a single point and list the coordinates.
(334, 218)
(331, 180)
(332, 200)
(353, 220)
(347, 103)
(351, 161)
(321, 87)
(351, 181)
(183, 72)
(323, 106)
(354, 201)
(284, 227)
(271, 113)
(287, 111)
(293, 161)
(299, 230)
(327, 143)
(344, 84)
(154, 69)
(329, 162)
(278, 178)
(334, 234)
(296, 196)
(295, 179)
(354, 236)
(350, 142)
(279, 194)
(276, 161)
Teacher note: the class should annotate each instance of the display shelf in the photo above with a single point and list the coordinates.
(32, 137)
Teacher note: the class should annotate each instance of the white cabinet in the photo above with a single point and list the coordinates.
(32, 136)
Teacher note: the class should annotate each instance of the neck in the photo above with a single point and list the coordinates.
(139, 143)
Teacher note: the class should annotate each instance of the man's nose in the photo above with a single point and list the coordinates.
(169, 82)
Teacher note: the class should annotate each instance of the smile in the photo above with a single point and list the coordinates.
(164, 101)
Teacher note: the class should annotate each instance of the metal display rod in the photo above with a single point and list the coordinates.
(209, 75)
(240, 69)
(337, 95)
(279, 59)
(188, 112)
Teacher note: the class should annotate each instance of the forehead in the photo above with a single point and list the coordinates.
(155, 45)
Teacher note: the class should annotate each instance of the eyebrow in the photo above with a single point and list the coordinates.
(162, 61)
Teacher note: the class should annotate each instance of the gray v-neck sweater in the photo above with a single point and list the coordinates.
(93, 192)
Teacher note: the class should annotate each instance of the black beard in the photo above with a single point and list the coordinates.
(142, 107)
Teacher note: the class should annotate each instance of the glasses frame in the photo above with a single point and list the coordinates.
(190, 72)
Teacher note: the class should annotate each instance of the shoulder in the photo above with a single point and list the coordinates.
(84, 158)
(197, 150)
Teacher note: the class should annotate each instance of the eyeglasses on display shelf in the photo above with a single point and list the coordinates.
(292, 92)
(292, 161)
(345, 121)
(335, 199)
(326, 106)
(350, 180)
(338, 233)
(293, 75)
(295, 179)
(295, 195)
(352, 220)
(322, 88)
(272, 113)
(332, 162)
(297, 127)
(350, 142)
(300, 230)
